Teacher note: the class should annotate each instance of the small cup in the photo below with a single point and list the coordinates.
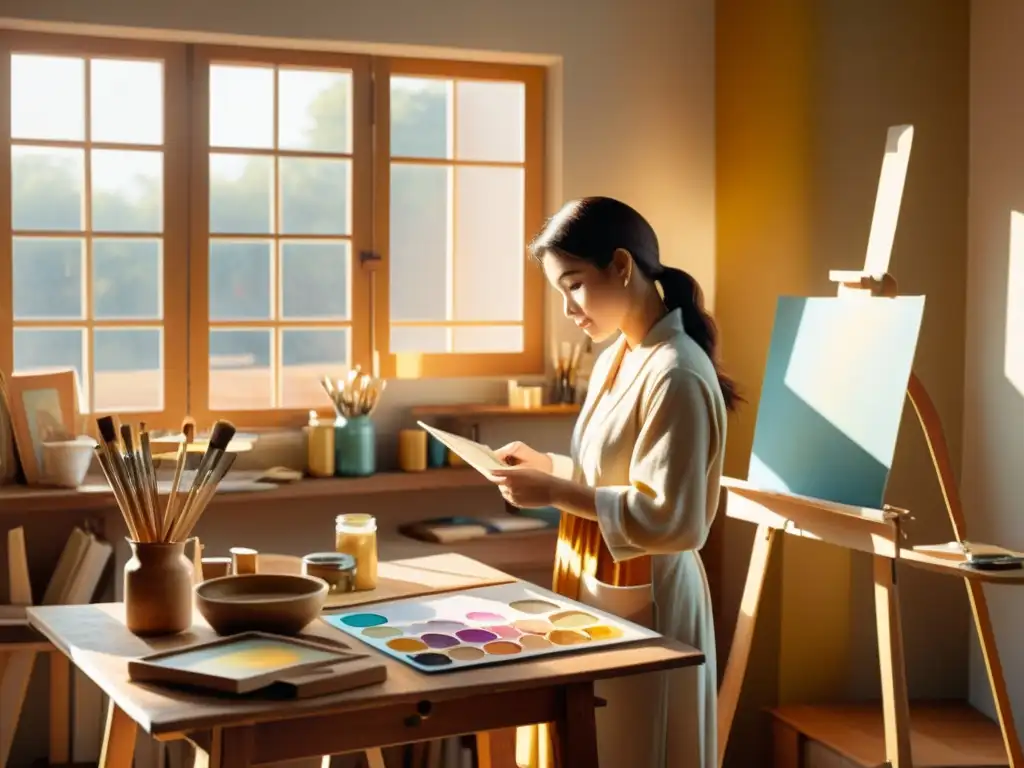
(412, 450)
(243, 560)
(437, 452)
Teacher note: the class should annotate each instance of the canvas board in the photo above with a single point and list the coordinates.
(833, 395)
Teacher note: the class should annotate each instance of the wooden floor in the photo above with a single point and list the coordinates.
(944, 735)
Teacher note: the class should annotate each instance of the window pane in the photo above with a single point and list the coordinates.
(47, 97)
(127, 279)
(46, 350)
(240, 280)
(127, 191)
(492, 338)
(48, 281)
(314, 280)
(419, 245)
(490, 254)
(421, 117)
(241, 106)
(314, 196)
(241, 370)
(491, 121)
(241, 194)
(418, 339)
(306, 355)
(47, 188)
(314, 110)
(128, 369)
(127, 101)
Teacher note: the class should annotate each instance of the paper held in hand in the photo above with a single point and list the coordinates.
(478, 456)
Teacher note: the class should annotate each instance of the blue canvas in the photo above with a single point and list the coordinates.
(833, 394)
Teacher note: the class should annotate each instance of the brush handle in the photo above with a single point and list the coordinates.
(120, 496)
(149, 478)
(221, 466)
(209, 458)
(171, 512)
(122, 471)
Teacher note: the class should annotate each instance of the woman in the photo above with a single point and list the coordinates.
(640, 490)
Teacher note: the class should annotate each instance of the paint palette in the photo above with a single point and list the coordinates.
(487, 625)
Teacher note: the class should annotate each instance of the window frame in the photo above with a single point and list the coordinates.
(175, 208)
(199, 202)
(186, 324)
(450, 365)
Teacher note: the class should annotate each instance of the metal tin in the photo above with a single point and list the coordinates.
(336, 568)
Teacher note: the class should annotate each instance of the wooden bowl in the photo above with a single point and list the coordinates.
(278, 603)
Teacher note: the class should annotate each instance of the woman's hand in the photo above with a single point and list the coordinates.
(525, 487)
(521, 455)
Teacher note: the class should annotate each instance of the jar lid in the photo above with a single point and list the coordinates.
(336, 560)
(356, 522)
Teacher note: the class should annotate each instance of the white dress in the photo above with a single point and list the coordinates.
(652, 445)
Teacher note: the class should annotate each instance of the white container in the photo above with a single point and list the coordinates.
(66, 463)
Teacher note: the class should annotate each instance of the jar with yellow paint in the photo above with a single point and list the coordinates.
(356, 535)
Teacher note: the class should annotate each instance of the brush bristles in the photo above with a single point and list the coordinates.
(221, 435)
(107, 430)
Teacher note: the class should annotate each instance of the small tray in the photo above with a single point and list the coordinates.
(251, 661)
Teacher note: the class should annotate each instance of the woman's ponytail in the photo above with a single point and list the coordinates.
(682, 292)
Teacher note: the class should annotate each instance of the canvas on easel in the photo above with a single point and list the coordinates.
(838, 373)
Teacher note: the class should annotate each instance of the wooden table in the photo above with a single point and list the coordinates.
(409, 706)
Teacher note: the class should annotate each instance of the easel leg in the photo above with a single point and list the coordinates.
(375, 758)
(60, 708)
(892, 666)
(743, 638)
(230, 748)
(118, 739)
(577, 728)
(994, 668)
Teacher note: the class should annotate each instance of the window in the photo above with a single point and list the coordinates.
(212, 229)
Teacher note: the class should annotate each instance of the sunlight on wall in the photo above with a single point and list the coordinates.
(1014, 365)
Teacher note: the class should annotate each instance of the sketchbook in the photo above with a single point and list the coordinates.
(478, 456)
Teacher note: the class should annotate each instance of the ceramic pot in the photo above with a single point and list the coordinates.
(355, 449)
(158, 582)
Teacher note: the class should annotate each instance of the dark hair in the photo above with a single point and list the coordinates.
(593, 228)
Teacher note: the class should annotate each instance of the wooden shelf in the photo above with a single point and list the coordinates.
(22, 499)
(480, 410)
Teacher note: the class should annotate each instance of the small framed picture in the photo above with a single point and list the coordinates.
(44, 408)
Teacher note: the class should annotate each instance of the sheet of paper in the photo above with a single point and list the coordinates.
(478, 456)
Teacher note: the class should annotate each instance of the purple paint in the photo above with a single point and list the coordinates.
(436, 640)
(476, 635)
(485, 616)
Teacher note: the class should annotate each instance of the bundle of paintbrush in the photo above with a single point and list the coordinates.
(357, 394)
(127, 464)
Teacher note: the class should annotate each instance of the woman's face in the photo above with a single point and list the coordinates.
(595, 299)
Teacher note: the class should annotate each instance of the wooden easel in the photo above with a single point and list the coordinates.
(875, 531)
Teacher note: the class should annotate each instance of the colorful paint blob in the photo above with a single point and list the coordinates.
(466, 653)
(364, 620)
(533, 606)
(484, 616)
(505, 631)
(502, 648)
(407, 645)
(568, 637)
(430, 659)
(475, 635)
(572, 619)
(533, 626)
(534, 642)
(604, 632)
(440, 625)
(382, 632)
(437, 640)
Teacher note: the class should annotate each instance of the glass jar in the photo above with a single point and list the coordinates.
(356, 535)
(355, 447)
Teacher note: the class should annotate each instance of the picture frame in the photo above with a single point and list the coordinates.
(251, 661)
(44, 407)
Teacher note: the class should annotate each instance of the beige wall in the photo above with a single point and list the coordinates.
(806, 90)
(993, 483)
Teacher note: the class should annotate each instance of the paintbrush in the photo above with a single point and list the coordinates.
(109, 472)
(220, 436)
(221, 465)
(133, 462)
(121, 484)
(188, 432)
(151, 493)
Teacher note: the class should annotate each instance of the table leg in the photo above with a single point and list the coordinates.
(496, 749)
(229, 748)
(576, 729)
(118, 748)
(375, 758)
(60, 708)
